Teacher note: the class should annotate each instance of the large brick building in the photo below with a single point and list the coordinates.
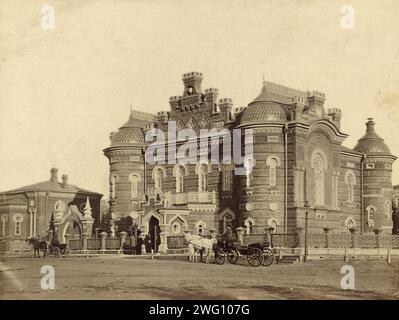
(297, 156)
(27, 211)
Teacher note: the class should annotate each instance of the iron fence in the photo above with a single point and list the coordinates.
(112, 244)
(93, 243)
(176, 242)
(285, 240)
(75, 244)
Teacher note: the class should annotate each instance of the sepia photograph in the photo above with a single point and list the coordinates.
(231, 150)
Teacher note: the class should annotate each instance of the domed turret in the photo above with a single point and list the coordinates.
(126, 167)
(130, 133)
(371, 143)
(377, 181)
(267, 107)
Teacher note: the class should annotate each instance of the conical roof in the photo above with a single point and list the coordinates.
(371, 143)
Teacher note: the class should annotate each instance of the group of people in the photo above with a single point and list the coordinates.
(147, 244)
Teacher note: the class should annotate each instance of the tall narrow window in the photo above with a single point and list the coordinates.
(350, 181)
(370, 216)
(227, 221)
(4, 219)
(202, 177)
(200, 226)
(227, 177)
(248, 164)
(158, 177)
(18, 218)
(272, 172)
(179, 173)
(249, 223)
(114, 179)
(318, 176)
(134, 179)
(335, 201)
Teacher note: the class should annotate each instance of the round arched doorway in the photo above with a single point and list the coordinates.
(73, 229)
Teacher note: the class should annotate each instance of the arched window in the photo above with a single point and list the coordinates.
(202, 177)
(18, 219)
(134, 179)
(350, 181)
(274, 224)
(350, 223)
(158, 174)
(114, 179)
(249, 223)
(4, 219)
(179, 173)
(272, 163)
(227, 221)
(200, 226)
(318, 176)
(248, 165)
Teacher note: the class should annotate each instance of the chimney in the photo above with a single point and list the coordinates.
(64, 180)
(54, 175)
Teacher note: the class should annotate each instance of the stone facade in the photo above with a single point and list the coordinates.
(26, 212)
(297, 156)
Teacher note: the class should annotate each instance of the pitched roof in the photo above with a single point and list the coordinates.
(272, 92)
(51, 186)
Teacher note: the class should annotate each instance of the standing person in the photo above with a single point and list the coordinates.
(228, 237)
(148, 243)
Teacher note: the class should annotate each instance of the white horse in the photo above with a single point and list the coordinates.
(199, 244)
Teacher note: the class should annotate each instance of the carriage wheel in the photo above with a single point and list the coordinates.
(254, 257)
(268, 257)
(221, 257)
(56, 252)
(232, 256)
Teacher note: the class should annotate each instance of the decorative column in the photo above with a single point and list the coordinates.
(163, 246)
(240, 234)
(30, 223)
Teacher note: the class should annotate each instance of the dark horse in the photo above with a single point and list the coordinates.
(37, 246)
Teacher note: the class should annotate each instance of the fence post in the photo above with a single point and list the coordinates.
(326, 231)
(240, 234)
(103, 236)
(84, 244)
(67, 241)
(123, 235)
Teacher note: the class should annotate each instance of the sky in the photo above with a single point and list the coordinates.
(63, 90)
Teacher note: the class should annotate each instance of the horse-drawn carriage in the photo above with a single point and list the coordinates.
(256, 253)
(53, 248)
